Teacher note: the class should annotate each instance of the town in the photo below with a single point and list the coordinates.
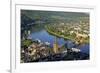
(54, 36)
(34, 51)
(76, 31)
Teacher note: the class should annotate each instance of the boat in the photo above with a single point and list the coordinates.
(39, 41)
(47, 43)
(75, 49)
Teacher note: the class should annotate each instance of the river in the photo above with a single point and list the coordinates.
(44, 36)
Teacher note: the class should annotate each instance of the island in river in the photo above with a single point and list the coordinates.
(54, 36)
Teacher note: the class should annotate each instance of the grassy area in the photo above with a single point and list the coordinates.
(26, 42)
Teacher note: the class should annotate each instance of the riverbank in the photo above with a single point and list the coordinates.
(63, 36)
(58, 35)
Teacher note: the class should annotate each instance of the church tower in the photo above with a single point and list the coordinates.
(55, 46)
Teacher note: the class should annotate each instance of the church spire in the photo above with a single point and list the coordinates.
(55, 46)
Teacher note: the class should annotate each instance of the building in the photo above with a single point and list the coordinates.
(80, 38)
(55, 46)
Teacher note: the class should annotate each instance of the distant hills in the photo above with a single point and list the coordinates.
(28, 16)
